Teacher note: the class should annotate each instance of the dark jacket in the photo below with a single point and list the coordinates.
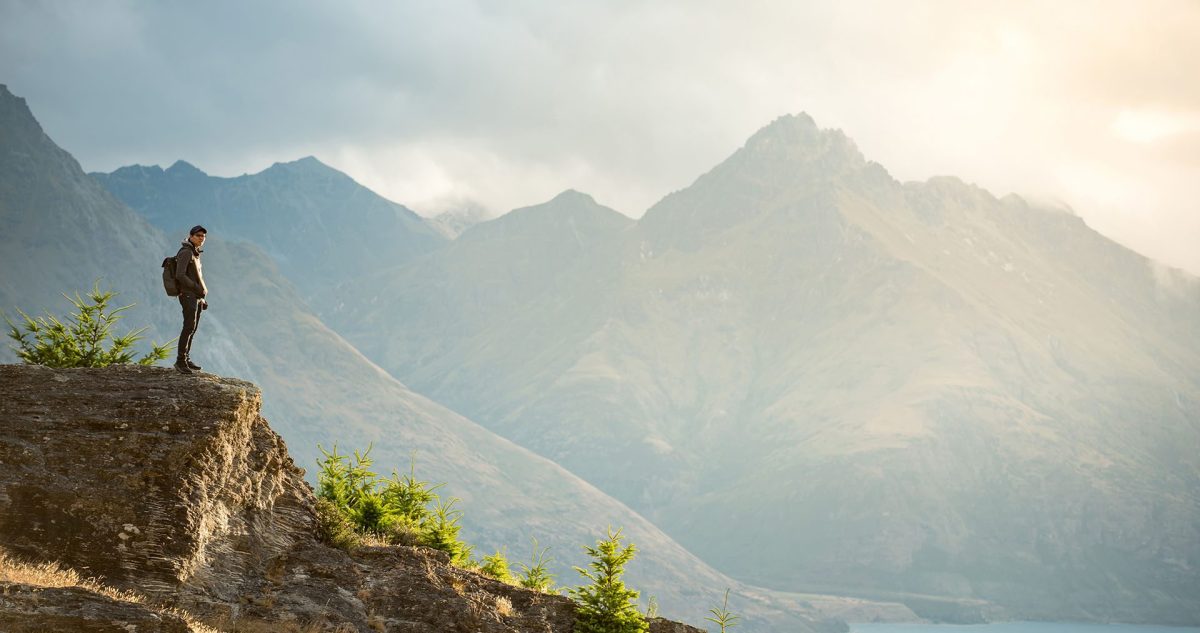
(188, 274)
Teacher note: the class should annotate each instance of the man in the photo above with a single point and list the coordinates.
(190, 279)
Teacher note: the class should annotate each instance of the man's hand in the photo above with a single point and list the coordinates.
(203, 304)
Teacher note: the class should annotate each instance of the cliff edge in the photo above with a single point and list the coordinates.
(175, 496)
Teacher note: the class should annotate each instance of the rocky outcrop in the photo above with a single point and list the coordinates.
(174, 489)
(31, 609)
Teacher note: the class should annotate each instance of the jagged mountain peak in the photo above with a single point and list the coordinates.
(17, 123)
(182, 168)
(12, 105)
(131, 170)
(308, 169)
(306, 163)
(800, 126)
(790, 158)
(796, 138)
(573, 196)
(8, 100)
(569, 215)
(570, 204)
(953, 191)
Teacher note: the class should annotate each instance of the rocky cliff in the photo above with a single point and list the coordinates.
(181, 504)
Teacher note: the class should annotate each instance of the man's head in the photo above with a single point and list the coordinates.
(197, 234)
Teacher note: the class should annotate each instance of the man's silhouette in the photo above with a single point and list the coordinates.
(190, 279)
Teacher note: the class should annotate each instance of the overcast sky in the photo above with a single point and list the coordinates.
(1094, 104)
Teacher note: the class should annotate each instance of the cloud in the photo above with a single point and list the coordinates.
(509, 103)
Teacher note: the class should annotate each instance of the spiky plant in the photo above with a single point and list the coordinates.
(81, 340)
(535, 575)
(496, 566)
(722, 616)
(607, 605)
(442, 532)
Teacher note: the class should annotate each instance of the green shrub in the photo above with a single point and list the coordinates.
(409, 499)
(535, 575)
(80, 341)
(371, 515)
(334, 528)
(441, 532)
(607, 605)
(344, 483)
(496, 566)
(399, 510)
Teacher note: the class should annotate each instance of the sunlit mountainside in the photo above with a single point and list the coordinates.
(818, 378)
(66, 231)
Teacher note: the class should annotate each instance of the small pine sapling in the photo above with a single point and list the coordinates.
(607, 605)
(410, 497)
(442, 533)
(535, 575)
(496, 566)
(80, 341)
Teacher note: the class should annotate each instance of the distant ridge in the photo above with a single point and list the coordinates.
(64, 230)
(304, 213)
(919, 391)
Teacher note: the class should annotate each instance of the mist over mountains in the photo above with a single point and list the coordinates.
(304, 214)
(68, 232)
(814, 377)
(820, 378)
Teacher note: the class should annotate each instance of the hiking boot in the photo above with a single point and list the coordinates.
(192, 366)
(181, 367)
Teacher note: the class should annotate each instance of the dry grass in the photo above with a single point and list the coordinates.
(54, 575)
(247, 625)
(373, 540)
(504, 606)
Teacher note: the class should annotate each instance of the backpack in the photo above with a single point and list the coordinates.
(169, 284)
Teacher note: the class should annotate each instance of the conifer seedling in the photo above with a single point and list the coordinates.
(607, 605)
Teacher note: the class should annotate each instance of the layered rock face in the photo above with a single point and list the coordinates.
(174, 489)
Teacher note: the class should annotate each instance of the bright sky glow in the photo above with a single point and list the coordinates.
(1091, 103)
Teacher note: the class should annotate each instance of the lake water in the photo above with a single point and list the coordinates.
(1019, 627)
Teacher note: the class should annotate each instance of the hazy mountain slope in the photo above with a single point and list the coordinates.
(319, 388)
(493, 298)
(331, 393)
(303, 213)
(820, 378)
(46, 200)
(453, 222)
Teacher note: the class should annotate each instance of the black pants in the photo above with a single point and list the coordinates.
(191, 320)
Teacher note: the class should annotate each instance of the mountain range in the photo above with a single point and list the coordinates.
(813, 376)
(69, 232)
(820, 378)
(304, 214)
